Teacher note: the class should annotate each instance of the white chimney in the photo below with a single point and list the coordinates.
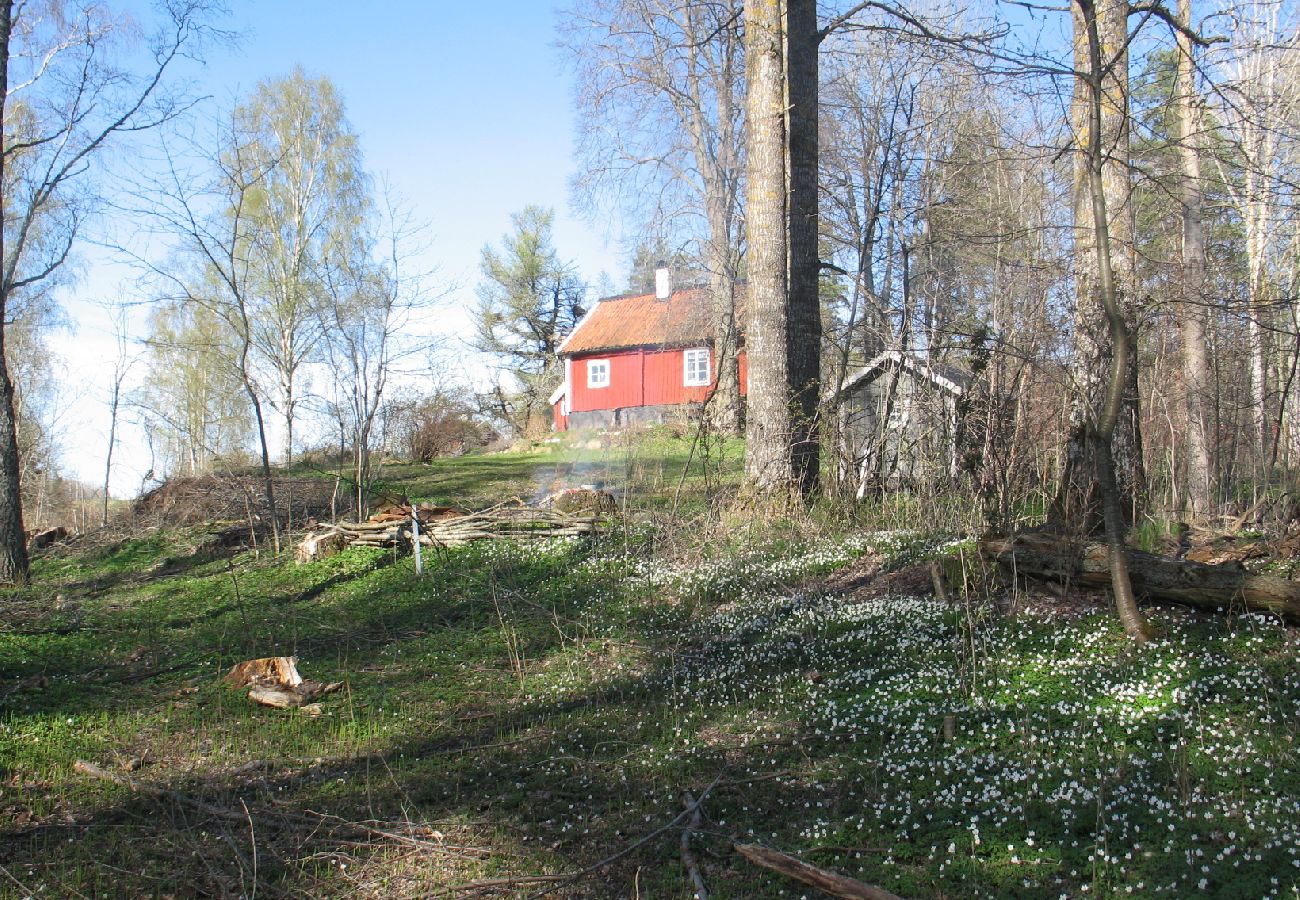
(663, 281)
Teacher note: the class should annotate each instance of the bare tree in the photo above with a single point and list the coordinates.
(1099, 431)
(122, 364)
(1259, 102)
(210, 217)
(1104, 105)
(63, 101)
(370, 299)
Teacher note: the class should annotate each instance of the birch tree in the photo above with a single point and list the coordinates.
(191, 400)
(1260, 105)
(370, 299)
(310, 200)
(65, 98)
(208, 205)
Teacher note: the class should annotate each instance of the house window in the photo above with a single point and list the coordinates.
(597, 373)
(695, 364)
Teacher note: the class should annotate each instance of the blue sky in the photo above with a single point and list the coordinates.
(465, 108)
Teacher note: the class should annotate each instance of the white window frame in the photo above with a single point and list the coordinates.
(597, 367)
(690, 378)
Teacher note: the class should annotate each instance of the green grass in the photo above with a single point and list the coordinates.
(524, 709)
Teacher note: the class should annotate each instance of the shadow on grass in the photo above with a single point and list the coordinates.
(510, 796)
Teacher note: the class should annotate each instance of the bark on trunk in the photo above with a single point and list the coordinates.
(1067, 561)
(1196, 367)
(268, 482)
(768, 463)
(804, 329)
(1115, 408)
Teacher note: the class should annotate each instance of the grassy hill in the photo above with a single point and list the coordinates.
(527, 718)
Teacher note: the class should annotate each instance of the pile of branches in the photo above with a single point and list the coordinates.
(192, 500)
(442, 527)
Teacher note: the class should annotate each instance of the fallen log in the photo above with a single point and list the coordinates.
(832, 883)
(1054, 557)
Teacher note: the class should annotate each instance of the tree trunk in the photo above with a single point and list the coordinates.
(112, 439)
(14, 566)
(1114, 405)
(268, 482)
(1078, 505)
(1196, 367)
(768, 462)
(804, 323)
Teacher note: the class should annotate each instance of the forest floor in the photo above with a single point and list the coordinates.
(527, 719)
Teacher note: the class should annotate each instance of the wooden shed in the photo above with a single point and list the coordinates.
(898, 420)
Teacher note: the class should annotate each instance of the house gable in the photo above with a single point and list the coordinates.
(942, 377)
(641, 320)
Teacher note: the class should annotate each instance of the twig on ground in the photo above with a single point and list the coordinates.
(95, 771)
(688, 858)
(567, 880)
(488, 884)
(832, 883)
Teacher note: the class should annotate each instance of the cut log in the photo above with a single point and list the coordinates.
(1061, 559)
(281, 671)
(832, 883)
(321, 546)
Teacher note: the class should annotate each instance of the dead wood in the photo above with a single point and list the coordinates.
(301, 695)
(688, 858)
(205, 498)
(274, 681)
(447, 527)
(45, 537)
(834, 884)
(87, 768)
(630, 848)
(1211, 587)
(268, 670)
(321, 546)
(492, 884)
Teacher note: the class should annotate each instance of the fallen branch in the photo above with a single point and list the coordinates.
(488, 884)
(87, 768)
(834, 884)
(632, 847)
(688, 858)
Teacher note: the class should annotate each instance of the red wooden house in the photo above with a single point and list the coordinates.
(638, 359)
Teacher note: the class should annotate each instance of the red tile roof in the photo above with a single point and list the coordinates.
(683, 320)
